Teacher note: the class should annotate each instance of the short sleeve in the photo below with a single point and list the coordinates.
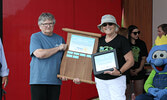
(125, 46)
(143, 48)
(34, 43)
(4, 69)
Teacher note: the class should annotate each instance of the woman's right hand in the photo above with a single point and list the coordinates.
(76, 81)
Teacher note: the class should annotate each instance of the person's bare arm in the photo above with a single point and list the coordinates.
(129, 62)
(45, 53)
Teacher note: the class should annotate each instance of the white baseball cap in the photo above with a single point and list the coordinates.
(107, 19)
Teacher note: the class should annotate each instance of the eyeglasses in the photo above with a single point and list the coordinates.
(135, 33)
(105, 24)
(47, 24)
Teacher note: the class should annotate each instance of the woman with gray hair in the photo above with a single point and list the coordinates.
(46, 51)
(111, 85)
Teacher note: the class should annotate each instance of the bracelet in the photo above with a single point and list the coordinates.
(120, 73)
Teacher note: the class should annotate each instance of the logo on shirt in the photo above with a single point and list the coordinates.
(105, 48)
(135, 51)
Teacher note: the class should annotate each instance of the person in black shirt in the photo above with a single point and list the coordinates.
(139, 49)
(111, 85)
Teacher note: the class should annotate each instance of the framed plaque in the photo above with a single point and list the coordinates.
(104, 61)
(76, 62)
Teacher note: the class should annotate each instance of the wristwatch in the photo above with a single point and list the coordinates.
(120, 73)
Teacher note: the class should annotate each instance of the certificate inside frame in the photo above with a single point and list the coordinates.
(104, 61)
(83, 44)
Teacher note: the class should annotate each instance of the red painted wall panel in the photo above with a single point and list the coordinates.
(20, 21)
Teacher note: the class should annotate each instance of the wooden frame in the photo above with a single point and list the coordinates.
(80, 67)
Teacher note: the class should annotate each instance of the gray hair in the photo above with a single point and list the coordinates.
(46, 16)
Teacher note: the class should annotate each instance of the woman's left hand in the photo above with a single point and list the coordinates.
(115, 72)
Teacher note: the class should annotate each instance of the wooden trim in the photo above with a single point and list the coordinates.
(81, 32)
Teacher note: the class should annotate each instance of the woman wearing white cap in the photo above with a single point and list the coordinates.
(111, 85)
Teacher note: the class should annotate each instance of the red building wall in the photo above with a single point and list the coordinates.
(20, 21)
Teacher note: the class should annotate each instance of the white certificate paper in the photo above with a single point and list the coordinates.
(82, 44)
(105, 61)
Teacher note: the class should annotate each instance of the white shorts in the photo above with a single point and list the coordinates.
(113, 89)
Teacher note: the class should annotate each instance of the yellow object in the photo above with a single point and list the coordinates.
(161, 41)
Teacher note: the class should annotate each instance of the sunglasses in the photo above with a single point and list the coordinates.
(135, 33)
(105, 24)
